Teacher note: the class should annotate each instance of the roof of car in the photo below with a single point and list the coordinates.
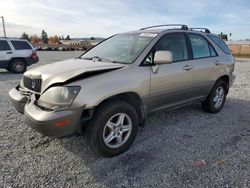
(12, 38)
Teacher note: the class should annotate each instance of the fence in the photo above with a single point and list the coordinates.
(240, 49)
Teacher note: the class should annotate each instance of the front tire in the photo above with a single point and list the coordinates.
(17, 66)
(216, 99)
(113, 128)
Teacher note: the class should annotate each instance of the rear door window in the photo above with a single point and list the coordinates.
(200, 46)
(4, 46)
(21, 45)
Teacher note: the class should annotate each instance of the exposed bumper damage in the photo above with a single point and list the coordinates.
(54, 123)
(18, 99)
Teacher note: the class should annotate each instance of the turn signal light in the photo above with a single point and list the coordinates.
(62, 122)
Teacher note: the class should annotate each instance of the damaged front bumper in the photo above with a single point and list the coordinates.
(18, 99)
(50, 123)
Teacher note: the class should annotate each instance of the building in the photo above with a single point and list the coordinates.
(70, 42)
(87, 43)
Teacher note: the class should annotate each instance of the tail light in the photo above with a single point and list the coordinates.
(34, 55)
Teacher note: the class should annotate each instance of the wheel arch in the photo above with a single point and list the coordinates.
(224, 78)
(16, 58)
(131, 98)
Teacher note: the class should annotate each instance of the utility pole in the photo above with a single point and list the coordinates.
(4, 31)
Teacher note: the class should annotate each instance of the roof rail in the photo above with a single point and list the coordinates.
(200, 29)
(182, 26)
(12, 38)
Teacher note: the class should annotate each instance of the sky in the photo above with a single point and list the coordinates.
(103, 18)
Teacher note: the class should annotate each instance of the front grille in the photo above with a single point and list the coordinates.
(33, 84)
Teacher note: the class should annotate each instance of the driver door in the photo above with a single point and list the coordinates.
(171, 84)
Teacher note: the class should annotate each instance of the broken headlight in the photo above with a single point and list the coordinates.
(58, 97)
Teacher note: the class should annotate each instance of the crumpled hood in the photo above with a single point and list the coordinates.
(63, 71)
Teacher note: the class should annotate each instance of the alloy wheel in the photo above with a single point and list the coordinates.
(219, 97)
(117, 130)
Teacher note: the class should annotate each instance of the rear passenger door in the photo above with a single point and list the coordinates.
(204, 63)
(172, 84)
(5, 54)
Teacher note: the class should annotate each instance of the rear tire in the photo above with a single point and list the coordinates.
(112, 129)
(17, 66)
(216, 99)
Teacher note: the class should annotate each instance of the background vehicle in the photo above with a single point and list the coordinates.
(16, 54)
(109, 90)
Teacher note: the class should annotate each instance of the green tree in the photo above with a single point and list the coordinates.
(44, 37)
(25, 36)
(223, 36)
(67, 38)
(92, 38)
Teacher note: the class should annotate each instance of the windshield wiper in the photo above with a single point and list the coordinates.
(95, 57)
(101, 59)
(86, 58)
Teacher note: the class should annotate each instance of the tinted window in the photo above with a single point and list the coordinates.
(21, 45)
(220, 43)
(176, 43)
(4, 45)
(200, 46)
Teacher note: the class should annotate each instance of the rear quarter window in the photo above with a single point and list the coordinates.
(21, 45)
(220, 43)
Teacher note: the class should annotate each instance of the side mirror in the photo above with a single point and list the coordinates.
(163, 57)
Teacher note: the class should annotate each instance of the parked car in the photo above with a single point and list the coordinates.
(16, 54)
(111, 89)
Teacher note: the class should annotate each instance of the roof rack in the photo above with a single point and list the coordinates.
(200, 29)
(182, 26)
(12, 38)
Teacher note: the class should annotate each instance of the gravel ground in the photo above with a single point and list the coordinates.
(185, 147)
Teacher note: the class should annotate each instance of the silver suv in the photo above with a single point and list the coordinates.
(16, 54)
(109, 90)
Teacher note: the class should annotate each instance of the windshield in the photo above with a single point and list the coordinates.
(121, 48)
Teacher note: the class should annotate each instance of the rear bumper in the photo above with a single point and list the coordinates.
(31, 61)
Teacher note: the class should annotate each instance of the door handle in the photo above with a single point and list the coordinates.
(8, 52)
(187, 67)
